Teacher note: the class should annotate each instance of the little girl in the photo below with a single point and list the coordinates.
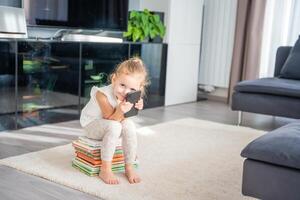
(103, 117)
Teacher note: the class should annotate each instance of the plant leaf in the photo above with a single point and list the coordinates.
(146, 31)
(153, 33)
(133, 14)
(127, 34)
(156, 19)
(137, 34)
(144, 19)
(135, 37)
(161, 29)
(151, 19)
(146, 11)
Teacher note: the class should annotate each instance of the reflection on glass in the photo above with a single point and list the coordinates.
(7, 85)
(48, 75)
(47, 89)
(98, 61)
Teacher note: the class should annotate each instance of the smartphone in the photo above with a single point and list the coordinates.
(133, 97)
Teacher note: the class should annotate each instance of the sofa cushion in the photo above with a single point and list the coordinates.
(281, 147)
(291, 67)
(272, 86)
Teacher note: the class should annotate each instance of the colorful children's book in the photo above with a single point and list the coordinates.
(87, 148)
(86, 168)
(84, 171)
(88, 156)
(92, 155)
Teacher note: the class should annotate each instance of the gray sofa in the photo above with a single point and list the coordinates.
(271, 96)
(272, 165)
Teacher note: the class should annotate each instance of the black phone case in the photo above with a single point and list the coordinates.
(133, 97)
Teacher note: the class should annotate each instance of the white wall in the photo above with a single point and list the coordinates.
(134, 5)
(184, 31)
(218, 39)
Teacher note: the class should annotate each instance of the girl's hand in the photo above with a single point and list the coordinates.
(140, 104)
(125, 106)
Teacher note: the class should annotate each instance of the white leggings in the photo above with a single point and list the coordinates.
(109, 131)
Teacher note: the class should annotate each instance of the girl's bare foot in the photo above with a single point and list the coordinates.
(108, 177)
(106, 174)
(132, 176)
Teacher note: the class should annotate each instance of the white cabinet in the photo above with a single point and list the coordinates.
(184, 34)
(182, 73)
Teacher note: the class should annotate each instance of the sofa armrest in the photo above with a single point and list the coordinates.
(281, 56)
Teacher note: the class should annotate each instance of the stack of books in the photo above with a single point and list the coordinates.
(88, 156)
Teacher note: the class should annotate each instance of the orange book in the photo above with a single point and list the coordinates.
(86, 162)
(118, 159)
(98, 165)
(120, 155)
(88, 159)
(97, 162)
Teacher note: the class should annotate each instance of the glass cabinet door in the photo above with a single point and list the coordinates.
(48, 82)
(7, 85)
(51, 81)
(98, 61)
(154, 56)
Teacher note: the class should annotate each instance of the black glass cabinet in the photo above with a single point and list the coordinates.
(8, 79)
(50, 81)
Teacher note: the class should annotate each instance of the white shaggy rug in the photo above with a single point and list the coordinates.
(182, 159)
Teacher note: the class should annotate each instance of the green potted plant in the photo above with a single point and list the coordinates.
(144, 25)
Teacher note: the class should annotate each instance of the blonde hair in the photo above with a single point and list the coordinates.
(133, 65)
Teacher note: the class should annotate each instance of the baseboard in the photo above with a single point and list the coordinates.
(219, 94)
